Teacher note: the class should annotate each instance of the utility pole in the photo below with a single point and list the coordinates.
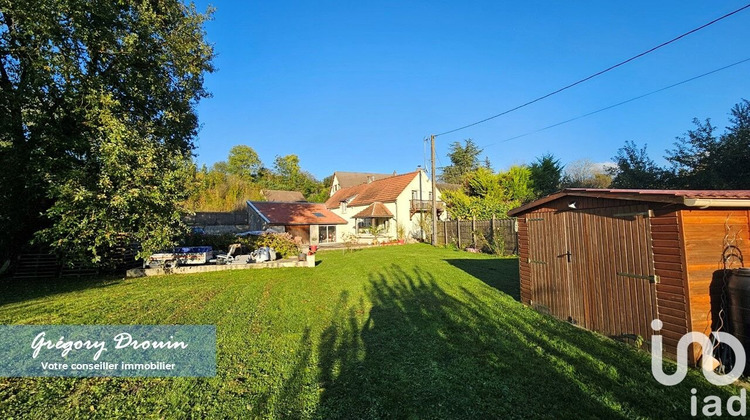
(434, 196)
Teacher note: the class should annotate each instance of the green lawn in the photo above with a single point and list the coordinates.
(398, 332)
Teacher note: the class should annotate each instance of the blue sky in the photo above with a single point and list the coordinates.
(356, 86)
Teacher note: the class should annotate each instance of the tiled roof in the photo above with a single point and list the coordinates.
(281, 196)
(684, 197)
(350, 179)
(276, 213)
(376, 209)
(385, 190)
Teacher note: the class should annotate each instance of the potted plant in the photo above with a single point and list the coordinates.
(401, 233)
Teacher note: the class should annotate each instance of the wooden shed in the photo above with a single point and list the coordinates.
(614, 260)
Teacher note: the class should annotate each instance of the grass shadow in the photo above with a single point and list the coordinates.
(499, 273)
(425, 352)
(20, 290)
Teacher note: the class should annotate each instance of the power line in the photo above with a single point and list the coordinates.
(619, 103)
(663, 44)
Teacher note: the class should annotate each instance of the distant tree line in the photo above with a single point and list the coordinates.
(484, 193)
(227, 185)
(700, 159)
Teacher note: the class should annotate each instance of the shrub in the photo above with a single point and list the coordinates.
(350, 240)
(494, 246)
(283, 243)
(451, 245)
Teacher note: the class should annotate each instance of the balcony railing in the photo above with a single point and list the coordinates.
(425, 205)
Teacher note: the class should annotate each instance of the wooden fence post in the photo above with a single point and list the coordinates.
(445, 232)
(458, 231)
(473, 231)
(492, 229)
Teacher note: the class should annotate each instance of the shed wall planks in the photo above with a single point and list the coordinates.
(605, 285)
(608, 285)
(590, 266)
(707, 234)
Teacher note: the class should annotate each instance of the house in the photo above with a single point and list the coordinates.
(376, 209)
(614, 260)
(350, 179)
(283, 196)
(312, 223)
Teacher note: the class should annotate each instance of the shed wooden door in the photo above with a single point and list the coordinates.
(550, 276)
(617, 251)
(595, 268)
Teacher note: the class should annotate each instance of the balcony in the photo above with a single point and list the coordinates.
(425, 206)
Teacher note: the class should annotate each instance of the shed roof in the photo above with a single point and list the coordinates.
(289, 214)
(376, 209)
(688, 198)
(350, 179)
(384, 190)
(282, 195)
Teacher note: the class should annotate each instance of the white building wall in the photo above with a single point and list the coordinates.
(403, 202)
(401, 210)
(335, 185)
(347, 215)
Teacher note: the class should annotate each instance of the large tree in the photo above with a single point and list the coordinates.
(244, 161)
(546, 175)
(583, 173)
(464, 159)
(98, 103)
(701, 160)
(635, 169)
(693, 156)
(486, 194)
(516, 184)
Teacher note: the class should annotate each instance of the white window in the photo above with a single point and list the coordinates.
(380, 224)
(327, 234)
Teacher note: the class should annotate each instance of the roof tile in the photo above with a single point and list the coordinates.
(350, 179)
(282, 196)
(384, 190)
(376, 209)
(296, 213)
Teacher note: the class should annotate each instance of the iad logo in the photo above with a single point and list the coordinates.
(712, 404)
(708, 362)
